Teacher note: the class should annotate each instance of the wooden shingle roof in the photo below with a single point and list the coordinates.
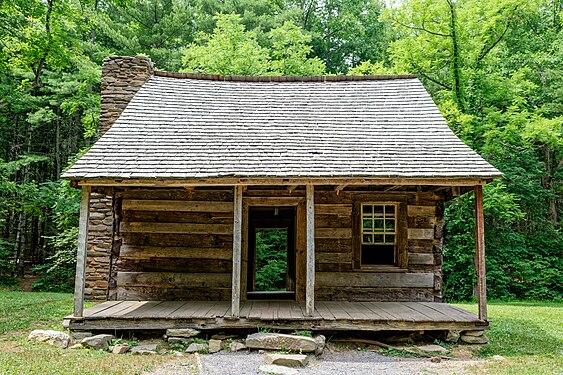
(184, 126)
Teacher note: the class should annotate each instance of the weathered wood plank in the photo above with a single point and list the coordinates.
(100, 307)
(179, 193)
(333, 221)
(344, 209)
(421, 258)
(237, 251)
(333, 257)
(333, 232)
(173, 279)
(182, 293)
(181, 228)
(333, 245)
(181, 240)
(368, 279)
(421, 210)
(420, 234)
(310, 283)
(480, 252)
(145, 252)
(176, 205)
(79, 280)
(178, 217)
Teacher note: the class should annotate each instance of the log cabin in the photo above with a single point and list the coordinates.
(190, 169)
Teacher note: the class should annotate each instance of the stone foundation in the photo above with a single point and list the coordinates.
(100, 233)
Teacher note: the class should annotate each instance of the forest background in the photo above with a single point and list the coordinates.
(493, 67)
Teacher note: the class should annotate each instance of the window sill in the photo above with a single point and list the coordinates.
(382, 269)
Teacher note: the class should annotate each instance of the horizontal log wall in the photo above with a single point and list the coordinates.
(176, 244)
(338, 276)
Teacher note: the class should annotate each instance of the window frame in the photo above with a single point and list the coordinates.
(400, 234)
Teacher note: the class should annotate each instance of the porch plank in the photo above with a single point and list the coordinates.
(187, 309)
(113, 310)
(141, 312)
(165, 308)
(432, 314)
(356, 312)
(324, 311)
(284, 311)
(245, 308)
(337, 310)
(100, 307)
(449, 311)
(376, 309)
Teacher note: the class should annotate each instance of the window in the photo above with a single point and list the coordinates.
(378, 234)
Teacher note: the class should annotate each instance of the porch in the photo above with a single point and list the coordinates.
(285, 315)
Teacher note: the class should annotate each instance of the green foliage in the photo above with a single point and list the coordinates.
(271, 259)
(232, 50)
(7, 266)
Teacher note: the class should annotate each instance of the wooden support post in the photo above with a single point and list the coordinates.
(310, 283)
(480, 249)
(237, 251)
(79, 281)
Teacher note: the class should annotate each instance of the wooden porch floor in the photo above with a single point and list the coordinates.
(333, 315)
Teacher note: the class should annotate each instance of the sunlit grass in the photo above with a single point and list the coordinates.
(528, 334)
(21, 312)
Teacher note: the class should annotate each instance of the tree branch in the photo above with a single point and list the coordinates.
(485, 51)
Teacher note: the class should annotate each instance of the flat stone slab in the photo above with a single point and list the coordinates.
(199, 348)
(474, 339)
(279, 341)
(55, 338)
(214, 346)
(288, 360)
(236, 346)
(120, 349)
(433, 349)
(182, 332)
(97, 342)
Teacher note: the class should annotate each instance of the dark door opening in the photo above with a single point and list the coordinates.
(271, 253)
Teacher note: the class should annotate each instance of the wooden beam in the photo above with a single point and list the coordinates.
(229, 181)
(480, 249)
(339, 188)
(237, 251)
(394, 187)
(79, 281)
(310, 283)
(456, 191)
(291, 188)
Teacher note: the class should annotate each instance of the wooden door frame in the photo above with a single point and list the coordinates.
(300, 239)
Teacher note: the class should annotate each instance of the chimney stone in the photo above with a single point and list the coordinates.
(122, 77)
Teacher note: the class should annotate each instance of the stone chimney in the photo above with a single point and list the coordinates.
(122, 77)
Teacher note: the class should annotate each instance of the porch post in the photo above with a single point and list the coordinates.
(237, 251)
(310, 283)
(480, 248)
(79, 281)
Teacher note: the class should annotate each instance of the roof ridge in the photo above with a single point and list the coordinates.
(327, 78)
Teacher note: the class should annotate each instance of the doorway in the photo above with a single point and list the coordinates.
(271, 253)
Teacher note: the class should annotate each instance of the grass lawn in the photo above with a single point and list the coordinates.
(528, 334)
(21, 312)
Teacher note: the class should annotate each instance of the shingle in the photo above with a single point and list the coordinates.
(186, 128)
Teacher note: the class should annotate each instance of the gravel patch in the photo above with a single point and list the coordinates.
(330, 363)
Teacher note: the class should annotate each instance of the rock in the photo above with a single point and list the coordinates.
(223, 336)
(452, 336)
(474, 339)
(498, 358)
(214, 346)
(279, 341)
(200, 348)
(120, 349)
(55, 338)
(435, 359)
(320, 342)
(97, 341)
(145, 349)
(277, 370)
(78, 336)
(236, 346)
(433, 349)
(288, 360)
(76, 346)
(473, 333)
(182, 332)
(177, 340)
